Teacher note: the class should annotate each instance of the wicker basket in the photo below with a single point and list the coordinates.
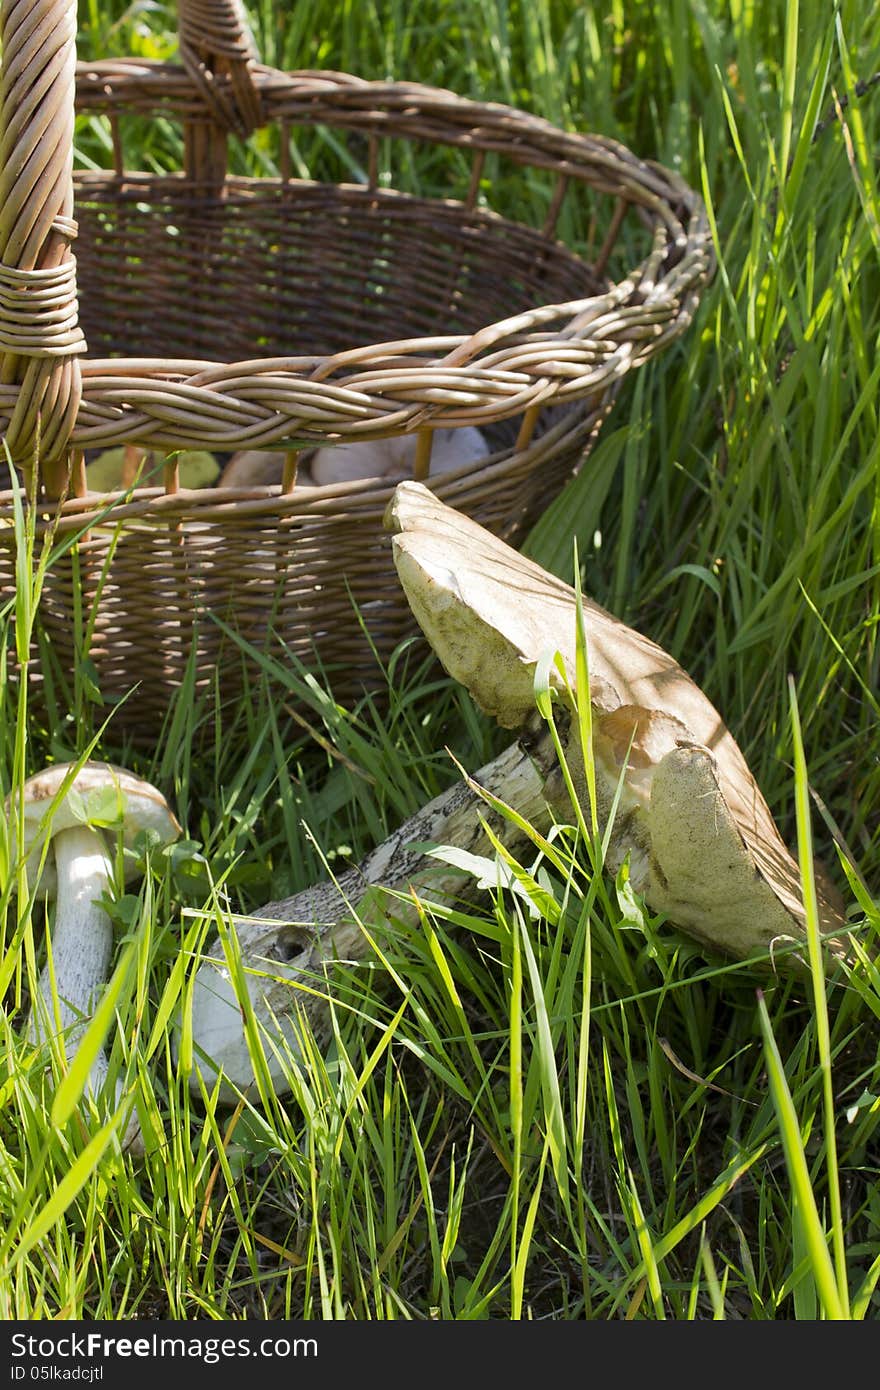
(224, 313)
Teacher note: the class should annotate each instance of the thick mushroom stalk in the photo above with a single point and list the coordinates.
(700, 839)
(82, 938)
(285, 947)
(75, 809)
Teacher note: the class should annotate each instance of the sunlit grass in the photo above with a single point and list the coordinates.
(545, 1103)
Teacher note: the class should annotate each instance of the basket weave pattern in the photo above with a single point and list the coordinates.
(225, 313)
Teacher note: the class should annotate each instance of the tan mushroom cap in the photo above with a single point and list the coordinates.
(490, 613)
(98, 795)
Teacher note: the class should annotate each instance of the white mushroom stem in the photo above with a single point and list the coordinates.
(82, 937)
(81, 947)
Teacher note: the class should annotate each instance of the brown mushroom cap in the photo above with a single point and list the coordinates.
(490, 613)
(98, 795)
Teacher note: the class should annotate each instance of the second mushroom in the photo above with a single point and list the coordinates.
(77, 810)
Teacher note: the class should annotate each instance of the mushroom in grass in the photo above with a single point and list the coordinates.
(672, 786)
(675, 799)
(285, 947)
(80, 812)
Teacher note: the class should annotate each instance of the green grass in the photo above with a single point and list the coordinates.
(550, 1106)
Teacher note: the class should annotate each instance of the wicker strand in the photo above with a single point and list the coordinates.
(38, 311)
(39, 333)
(215, 43)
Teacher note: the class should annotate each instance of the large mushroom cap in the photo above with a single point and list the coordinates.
(491, 614)
(98, 795)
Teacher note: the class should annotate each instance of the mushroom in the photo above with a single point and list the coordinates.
(78, 810)
(395, 458)
(454, 449)
(702, 843)
(285, 946)
(115, 469)
(675, 796)
(259, 468)
(391, 458)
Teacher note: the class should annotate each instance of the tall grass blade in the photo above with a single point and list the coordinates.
(821, 1266)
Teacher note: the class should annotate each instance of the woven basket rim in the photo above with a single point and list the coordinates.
(587, 344)
(430, 113)
(549, 354)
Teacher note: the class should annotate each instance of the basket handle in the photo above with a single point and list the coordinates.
(40, 337)
(215, 41)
